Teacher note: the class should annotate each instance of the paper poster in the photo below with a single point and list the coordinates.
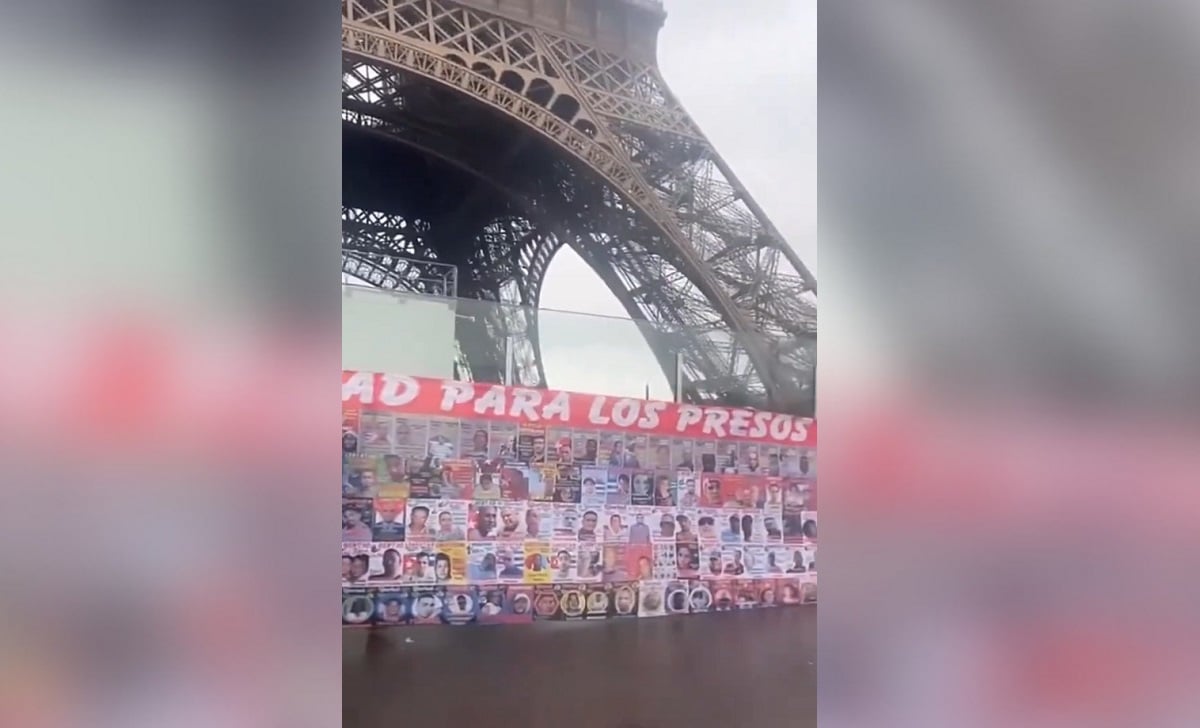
(707, 453)
(545, 603)
(772, 525)
(458, 479)
(663, 524)
(356, 563)
(616, 524)
(794, 559)
(512, 521)
(623, 599)
(687, 489)
(539, 520)
(357, 516)
(682, 455)
(391, 605)
(687, 560)
(419, 563)
(678, 599)
(593, 489)
(418, 528)
(563, 556)
(503, 443)
(424, 478)
(778, 560)
(711, 491)
(724, 594)
(449, 519)
(612, 450)
(641, 488)
(386, 562)
(514, 483)
(442, 445)
(700, 598)
(411, 437)
(767, 594)
(510, 562)
(376, 435)
(664, 488)
(560, 446)
(591, 523)
(387, 523)
(543, 482)
(618, 487)
(638, 519)
(752, 527)
(586, 447)
(537, 562)
(686, 526)
(750, 460)
(809, 552)
(727, 457)
(773, 498)
(572, 601)
(460, 605)
(808, 591)
(730, 525)
(598, 601)
(639, 561)
(531, 445)
(733, 560)
(567, 485)
(483, 520)
(774, 463)
(450, 562)
(808, 529)
(474, 438)
(658, 456)
(652, 598)
(747, 591)
(481, 562)
(664, 558)
(505, 605)
(614, 558)
(636, 451)
(589, 564)
(738, 491)
(566, 520)
(361, 476)
(711, 559)
(788, 590)
(427, 604)
(358, 607)
(391, 477)
(487, 484)
(351, 430)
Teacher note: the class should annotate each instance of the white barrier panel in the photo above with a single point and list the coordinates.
(392, 332)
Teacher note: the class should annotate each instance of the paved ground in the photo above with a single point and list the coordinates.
(733, 669)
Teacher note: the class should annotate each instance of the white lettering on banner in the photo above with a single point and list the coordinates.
(651, 418)
(360, 386)
(523, 403)
(759, 428)
(398, 391)
(456, 393)
(781, 425)
(493, 400)
(625, 412)
(596, 412)
(689, 414)
(739, 423)
(714, 422)
(800, 431)
(559, 407)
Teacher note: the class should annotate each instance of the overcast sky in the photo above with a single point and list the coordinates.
(747, 73)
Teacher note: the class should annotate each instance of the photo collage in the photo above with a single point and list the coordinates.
(478, 521)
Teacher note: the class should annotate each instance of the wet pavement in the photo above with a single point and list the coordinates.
(754, 667)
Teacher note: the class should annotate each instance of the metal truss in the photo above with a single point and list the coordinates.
(632, 185)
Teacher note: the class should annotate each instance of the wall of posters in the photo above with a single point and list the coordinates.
(472, 504)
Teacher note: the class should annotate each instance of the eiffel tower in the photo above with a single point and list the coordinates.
(488, 134)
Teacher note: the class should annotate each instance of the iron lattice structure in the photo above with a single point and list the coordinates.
(489, 133)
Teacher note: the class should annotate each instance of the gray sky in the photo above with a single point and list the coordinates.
(747, 73)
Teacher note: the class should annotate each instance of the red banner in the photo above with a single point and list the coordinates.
(363, 391)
